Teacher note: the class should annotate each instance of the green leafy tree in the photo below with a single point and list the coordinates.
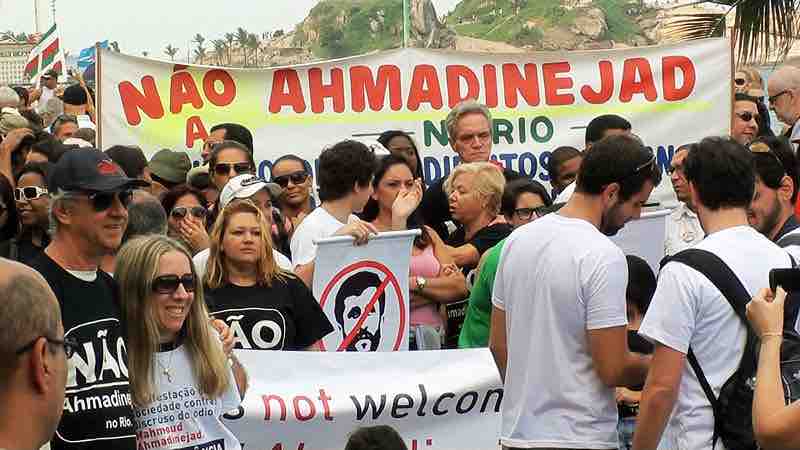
(171, 51)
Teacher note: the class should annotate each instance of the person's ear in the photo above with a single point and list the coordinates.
(41, 365)
(610, 192)
(61, 211)
(786, 188)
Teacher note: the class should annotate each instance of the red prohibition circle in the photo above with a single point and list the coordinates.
(392, 279)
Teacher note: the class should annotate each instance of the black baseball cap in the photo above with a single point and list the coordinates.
(89, 169)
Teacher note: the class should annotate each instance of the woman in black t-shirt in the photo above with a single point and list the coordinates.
(266, 308)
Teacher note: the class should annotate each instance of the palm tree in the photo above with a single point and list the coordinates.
(243, 38)
(253, 43)
(171, 51)
(199, 55)
(763, 28)
(199, 39)
(145, 53)
(229, 38)
(219, 50)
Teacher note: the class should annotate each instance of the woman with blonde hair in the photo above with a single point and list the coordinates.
(270, 308)
(172, 351)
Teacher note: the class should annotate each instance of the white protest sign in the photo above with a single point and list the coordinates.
(671, 94)
(644, 237)
(364, 291)
(436, 400)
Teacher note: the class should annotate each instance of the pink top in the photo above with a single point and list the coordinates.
(425, 265)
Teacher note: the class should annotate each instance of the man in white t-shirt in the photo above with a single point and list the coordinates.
(345, 186)
(688, 311)
(558, 328)
(245, 187)
(683, 229)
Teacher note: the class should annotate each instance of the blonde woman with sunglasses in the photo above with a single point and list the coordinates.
(181, 381)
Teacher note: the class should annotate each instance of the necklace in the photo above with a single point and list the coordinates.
(165, 370)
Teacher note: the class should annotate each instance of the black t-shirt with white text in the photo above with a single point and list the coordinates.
(97, 407)
(282, 316)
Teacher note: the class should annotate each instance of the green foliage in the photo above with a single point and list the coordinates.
(620, 27)
(528, 36)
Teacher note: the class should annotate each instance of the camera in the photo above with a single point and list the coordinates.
(788, 279)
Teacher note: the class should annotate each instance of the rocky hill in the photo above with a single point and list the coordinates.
(336, 28)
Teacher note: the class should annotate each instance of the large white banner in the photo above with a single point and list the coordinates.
(671, 94)
(364, 291)
(437, 400)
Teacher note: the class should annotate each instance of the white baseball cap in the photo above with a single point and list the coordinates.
(245, 186)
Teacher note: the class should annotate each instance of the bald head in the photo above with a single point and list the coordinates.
(29, 309)
(145, 216)
(783, 88)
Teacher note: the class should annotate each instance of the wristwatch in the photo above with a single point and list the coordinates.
(421, 282)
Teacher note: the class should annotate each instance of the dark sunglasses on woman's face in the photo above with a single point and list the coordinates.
(239, 168)
(295, 177)
(179, 212)
(101, 201)
(740, 81)
(29, 193)
(167, 284)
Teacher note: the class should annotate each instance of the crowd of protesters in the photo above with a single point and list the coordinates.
(154, 255)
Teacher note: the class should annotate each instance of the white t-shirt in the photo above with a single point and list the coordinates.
(200, 261)
(180, 416)
(683, 230)
(687, 310)
(318, 224)
(564, 196)
(557, 278)
(793, 250)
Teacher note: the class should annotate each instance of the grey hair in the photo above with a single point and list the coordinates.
(468, 106)
(8, 97)
(145, 216)
(56, 199)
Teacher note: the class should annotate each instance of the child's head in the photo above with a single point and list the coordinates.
(641, 287)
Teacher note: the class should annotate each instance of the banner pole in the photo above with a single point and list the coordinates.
(733, 71)
(405, 23)
(98, 62)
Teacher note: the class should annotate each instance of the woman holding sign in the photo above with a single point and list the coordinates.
(266, 307)
(181, 383)
(433, 278)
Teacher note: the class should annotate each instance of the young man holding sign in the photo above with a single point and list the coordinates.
(576, 328)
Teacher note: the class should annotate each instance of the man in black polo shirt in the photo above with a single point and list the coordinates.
(469, 130)
(89, 198)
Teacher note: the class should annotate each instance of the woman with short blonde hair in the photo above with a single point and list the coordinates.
(170, 345)
(274, 309)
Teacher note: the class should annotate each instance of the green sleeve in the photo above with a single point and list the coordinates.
(475, 332)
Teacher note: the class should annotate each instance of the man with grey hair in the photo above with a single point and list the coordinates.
(8, 98)
(34, 354)
(89, 196)
(145, 216)
(469, 130)
(783, 89)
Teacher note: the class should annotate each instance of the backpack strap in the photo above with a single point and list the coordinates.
(723, 278)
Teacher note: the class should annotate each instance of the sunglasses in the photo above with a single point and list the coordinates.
(179, 212)
(239, 168)
(27, 194)
(747, 116)
(740, 81)
(101, 201)
(64, 118)
(70, 345)
(168, 284)
(774, 98)
(528, 213)
(296, 178)
(650, 162)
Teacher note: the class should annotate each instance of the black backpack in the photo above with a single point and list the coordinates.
(733, 420)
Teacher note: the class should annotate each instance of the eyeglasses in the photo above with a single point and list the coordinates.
(774, 98)
(528, 213)
(179, 212)
(239, 168)
(482, 137)
(740, 81)
(168, 284)
(29, 193)
(69, 344)
(295, 177)
(747, 116)
(101, 201)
